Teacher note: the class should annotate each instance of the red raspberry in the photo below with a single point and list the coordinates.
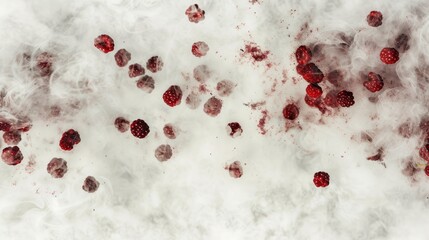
(44, 64)
(375, 82)
(234, 129)
(146, 83)
(68, 139)
(122, 57)
(235, 169)
(193, 100)
(122, 124)
(135, 70)
(200, 49)
(314, 91)
(12, 155)
(335, 77)
(139, 128)
(5, 126)
(173, 96)
(201, 73)
(389, 55)
(303, 55)
(169, 131)
(312, 102)
(374, 18)
(213, 106)
(311, 73)
(321, 179)
(104, 43)
(424, 152)
(154, 64)
(290, 111)
(90, 184)
(225, 88)
(331, 99)
(57, 167)
(194, 13)
(300, 69)
(427, 170)
(163, 152)
(12, 137)
(345, 98)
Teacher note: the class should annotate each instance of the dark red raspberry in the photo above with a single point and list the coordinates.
(139, 128)
(146, 83)
(154, 64)
(122, 124)
(225, 88)
(169, 131)
(389, 55)
(331, 99)
(427, 170)
(163, 152)
(303, 55)
(374, 19)
(69, 139)
(235, 169)
(194, 13)
(5, 126)
(12, 137)
(57, 167)
(321, 179)
(12, 155)
(234, 129)
(290, 111)
(312, 102)
(345, 98)
(314, 91)
(90, 184)
(104, 43)
(200, 49)
(311, 73)
(300, 69)
(135, 70)
(122, 57)
(173, 96)
(424, 152)
(213, 106)
(374, 83)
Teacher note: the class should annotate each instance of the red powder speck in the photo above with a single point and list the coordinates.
(255, 51)
(262, 122)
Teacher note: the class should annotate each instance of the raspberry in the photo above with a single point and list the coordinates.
(303, 55)
(225, 88)
(331, 99)
(389, 55)
(311, 73)
(290, 111)
(234, 129)
(401, 43)
(201, 73)
(312, 102)
(12, 137)
(146, 83)
(321, 179)
(200, 49)
(256, 52)
(375, 82)
(374, 18)
(169, 131)
(427, 170)
(314, 91)
(213, 106)
(154, 64)
(5, 126)
(57, 167)
(104, 43)
(44, 63)
(424, 152)
(173, 96)
(122, 57)
(12, 155)
(135, 70)
(235, 169)
(139, 128)
(122, 124)
(90, 184)
(300, 69)
(345, 98)
(335, 77)
(163, 152)
(68, 139)
(193, 100)
(194, 13)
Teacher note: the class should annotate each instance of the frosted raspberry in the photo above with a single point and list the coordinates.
(389, 55)
(193, 100)
(90, 184)
(122, 124)
(169, 131)
(69, 139)
(146, 83)
(321, 179)
(154, 64)
(5, 126)
(12, 155)
(290, 111)
(374, 83)
(234, 129)
(235, 169)
(122, 57)
(427, 170)
(139, 128)
(303, 55)
(200, 49)
(225, 88)
(12, 137)
(173, 96)
(345, 98)
(194, 13)
(374, 19)
(163, 152)
(104, 43)
(201, 73)
(135, 70)
(331, 99)
(311, 73)
(213, 106)
(57, 167)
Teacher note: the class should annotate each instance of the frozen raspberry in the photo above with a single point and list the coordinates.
(44, 63)
(321, 179)
(300, 69)
(5, 126)
(345, 98)
(389, 55)
(194, 13)
(69, 139)
(122, 124)
(401, 43)
(290, 111)
(193, 100)
(225, 88)
(90, 184)
(12, 137)
(311, 73)
(173, 96)
(146, 83)
(135, 70)
(122, 57)
(427, 170)
(312, 102)
(235, 169)
(139, 128)
(200, 49)
(255, 51)
(213, 106)
(234, 129)
(169, 131)
(303, 55)
(314, 91)
(331, 99)
(424, 152)
(201, 73)
(154, 64)
(374, 18)
(12, 155)
(104, 43)
(163, 152)
(374, 83)
(57, 167)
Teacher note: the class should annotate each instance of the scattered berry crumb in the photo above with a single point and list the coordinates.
(321, 179)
